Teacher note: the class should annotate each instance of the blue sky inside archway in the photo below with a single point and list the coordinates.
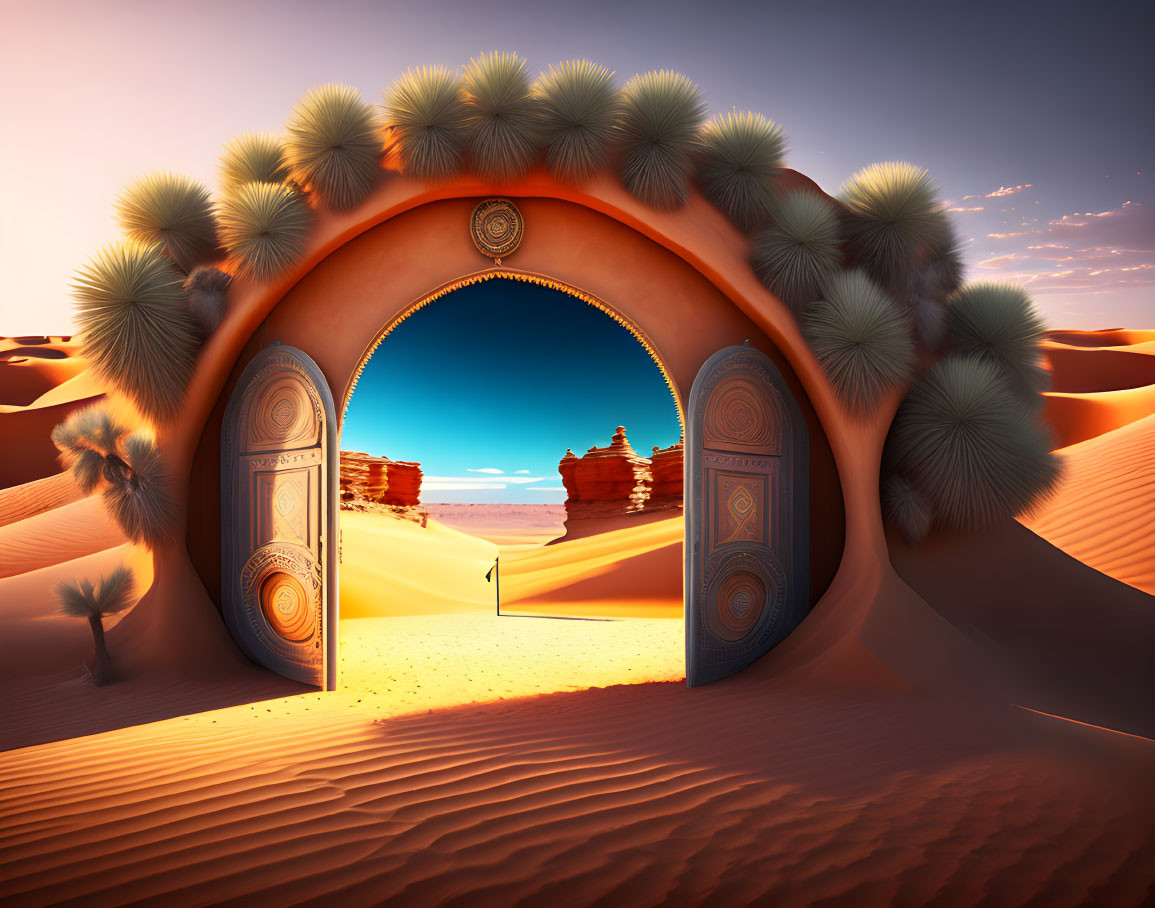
(487, 387)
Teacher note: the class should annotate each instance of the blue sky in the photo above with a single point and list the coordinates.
(1034, 117)
(488, 386)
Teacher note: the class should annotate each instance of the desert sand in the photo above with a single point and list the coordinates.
(980, 730)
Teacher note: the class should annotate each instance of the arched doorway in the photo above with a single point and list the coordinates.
(335, 311)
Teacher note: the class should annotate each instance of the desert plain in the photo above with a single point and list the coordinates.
(978, 730)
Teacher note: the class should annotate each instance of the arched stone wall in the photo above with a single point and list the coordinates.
(338, 308)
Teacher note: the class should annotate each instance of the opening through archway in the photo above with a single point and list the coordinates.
(482, 462)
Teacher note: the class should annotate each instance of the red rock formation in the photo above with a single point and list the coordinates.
(366, 477)
(605, 482)
(666, 466)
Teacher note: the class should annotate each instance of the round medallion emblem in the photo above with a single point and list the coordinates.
(286, 606)
(496, 228)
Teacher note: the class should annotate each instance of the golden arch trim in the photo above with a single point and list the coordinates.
(529, 278)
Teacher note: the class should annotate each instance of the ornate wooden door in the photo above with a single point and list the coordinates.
(747, 514)
(279, 499)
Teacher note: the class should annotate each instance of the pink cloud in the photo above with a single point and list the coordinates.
(1007, 236)
(1008, 190)
(1132, 225)
(980, 208)
(1001, 262)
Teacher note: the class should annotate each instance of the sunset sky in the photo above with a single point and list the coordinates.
(1034, 118)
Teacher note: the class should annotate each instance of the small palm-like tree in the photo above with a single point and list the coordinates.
(85, 599)
(103, 454)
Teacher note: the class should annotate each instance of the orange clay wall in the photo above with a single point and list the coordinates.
(339, 307)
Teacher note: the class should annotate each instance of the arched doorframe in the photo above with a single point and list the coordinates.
(719, 265)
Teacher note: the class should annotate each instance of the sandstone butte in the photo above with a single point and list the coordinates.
(366, 477)
(616, 480)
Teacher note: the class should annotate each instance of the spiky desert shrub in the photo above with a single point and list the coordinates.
(741, 156)
(265, 226)
(578, 111)
(333, 146)
(426, 109)
(892, 221)
(253, 158)
(206, 294)
(504, 134)
(907, 509)
(800, 250)
(173, 211)
(137, 331)
(860, 338)
(126, 466)
(92, 601)
(964, 440)
(662, 113)
(997, 323)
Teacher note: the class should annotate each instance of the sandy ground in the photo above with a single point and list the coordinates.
(978, 732)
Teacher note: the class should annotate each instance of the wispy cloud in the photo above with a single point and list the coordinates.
(458, 483)
(1001, 262)
(546, 489)
(960, 209)
(483, 470)
(1007, 190)
(1007, 236)
(521, 471)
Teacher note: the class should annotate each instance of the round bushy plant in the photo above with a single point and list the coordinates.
(137, 332)
(206, 292)
(333, 145)
(253, 158)
(861, 339)
(966, 443)
(892, 221)
(662, 115)
(800, 250)
(741, 156)
(578, 110)
(172, 211)
(426, 110)
(504, 131)
(907, 509)
(264, 227)
(997, 322)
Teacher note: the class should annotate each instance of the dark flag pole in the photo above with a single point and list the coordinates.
(494, 576)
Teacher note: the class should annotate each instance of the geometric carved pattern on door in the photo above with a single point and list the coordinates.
(747, 500)
(278, 516)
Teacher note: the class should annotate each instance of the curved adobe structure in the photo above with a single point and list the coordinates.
(680, 280)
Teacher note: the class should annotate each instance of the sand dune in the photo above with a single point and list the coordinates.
(1109, 337)
(596, 797)
(1075, 417)
(392, 566)
(23, 501)
(629, 571)
(1082, 369)
(1103, 512)
(1073, 640)
(62, 534)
